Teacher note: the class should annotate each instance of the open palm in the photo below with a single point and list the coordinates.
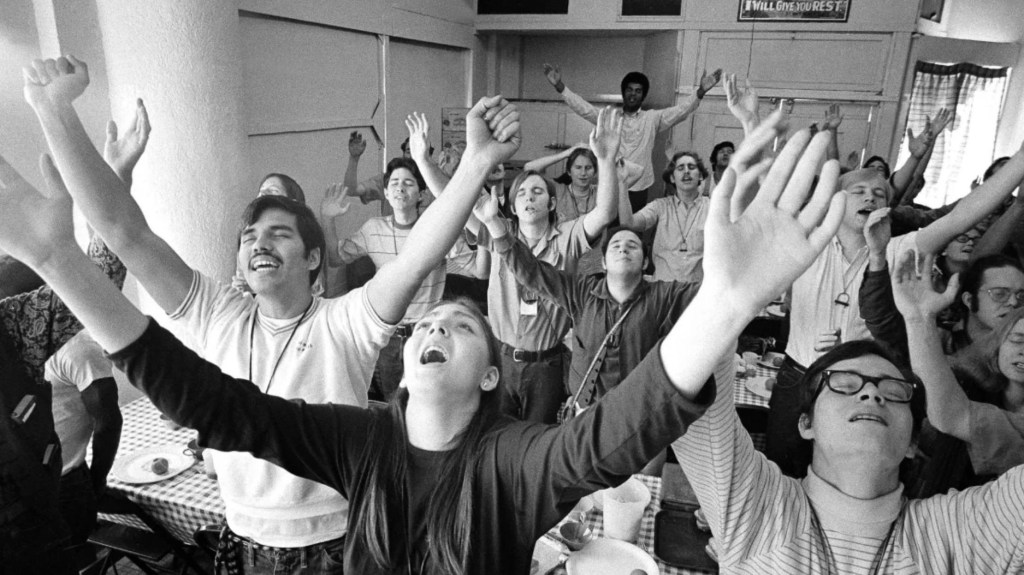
(122, 153)
(755, 249)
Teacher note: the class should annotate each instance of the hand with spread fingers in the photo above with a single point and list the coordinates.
(742, 101)
(554, 76)
(708, 81)
(335, 203)
(419, 142)
(755, 248)
(914, 292)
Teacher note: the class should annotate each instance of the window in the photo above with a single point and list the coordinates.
(651, 7)
(523, 7)
(961, 154)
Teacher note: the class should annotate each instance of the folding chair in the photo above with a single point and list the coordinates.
(146, 549)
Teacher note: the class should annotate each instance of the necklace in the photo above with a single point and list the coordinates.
(280, 356)
(830, 558)
(587, 195)
(849, 276)
(691, 211)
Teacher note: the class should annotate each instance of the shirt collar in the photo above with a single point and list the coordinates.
(600, 290)
(840, 512)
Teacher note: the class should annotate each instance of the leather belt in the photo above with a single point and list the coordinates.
(523, 355)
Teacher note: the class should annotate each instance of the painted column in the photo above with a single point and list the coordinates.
(182, 57)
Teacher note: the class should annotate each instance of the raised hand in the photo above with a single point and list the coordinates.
(50, 82)
(335, 203)
(123, 153)
(878, 230)
(487, 206)
(708, 81)
(832, 118)
(942, 119)
(35, 226)
(914, 292)
(742, 101)
(419, 143)
(918, 144)
(753, 253)
(356, 144)
(492, 131)
(554, 76)
(604, 138)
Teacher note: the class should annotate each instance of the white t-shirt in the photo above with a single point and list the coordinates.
(330, 358)
(75, 366)
(814, 309)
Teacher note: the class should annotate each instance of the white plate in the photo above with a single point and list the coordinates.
(775, 309)
(134, 467)
(756, 385)
(767, 364)
(610, 557)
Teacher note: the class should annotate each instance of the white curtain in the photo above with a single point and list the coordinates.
(975, 94)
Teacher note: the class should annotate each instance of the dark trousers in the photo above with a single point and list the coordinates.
(784, 445)
(78, 503)
(533, 390)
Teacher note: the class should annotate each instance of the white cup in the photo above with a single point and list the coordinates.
(211, 472)
(624, 509)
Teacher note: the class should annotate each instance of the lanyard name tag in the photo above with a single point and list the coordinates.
(527, 307)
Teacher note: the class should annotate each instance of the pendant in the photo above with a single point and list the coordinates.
(682, 247)
(843, 299)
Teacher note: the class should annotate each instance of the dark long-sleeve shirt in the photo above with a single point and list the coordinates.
(527, 477)
(594, 312)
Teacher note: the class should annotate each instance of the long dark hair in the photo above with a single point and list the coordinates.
(450, 511)
(292, 189)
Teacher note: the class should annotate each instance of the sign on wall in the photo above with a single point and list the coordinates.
(794, 10)
(453, 128)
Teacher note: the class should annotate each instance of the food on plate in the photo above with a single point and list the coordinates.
(159, 466)
(769, 383)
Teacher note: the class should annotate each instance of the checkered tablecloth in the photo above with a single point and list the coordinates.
(181, 503)
(595, 520)
(746, 399)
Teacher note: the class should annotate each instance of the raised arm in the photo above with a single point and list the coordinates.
(542, 163)
(543, 278)
(50, 88)
(920, 304)
(492, 136)
(362, 190)
(604, 140)
(419, 148)
(752, 255)
(973, 208)
(877, 308)
(742, 102)
(122, 153)
(1002, 231)
(583, 108)
(833, 119)
(675, 114)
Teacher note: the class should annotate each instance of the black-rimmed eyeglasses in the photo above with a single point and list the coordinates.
(851, 382)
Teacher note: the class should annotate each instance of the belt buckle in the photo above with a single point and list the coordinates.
(517, 355)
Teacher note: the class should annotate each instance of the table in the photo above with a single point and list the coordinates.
(595, 520)
(181, 503)
(746, 399)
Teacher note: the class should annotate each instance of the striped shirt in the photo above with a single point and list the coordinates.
(763, 521)
(381, 239)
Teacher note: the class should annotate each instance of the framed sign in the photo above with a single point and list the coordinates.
(794, 10)
(453, 129)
